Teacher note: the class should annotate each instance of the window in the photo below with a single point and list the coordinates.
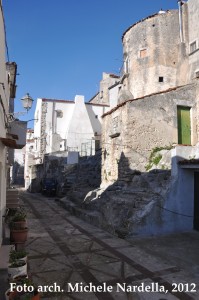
(197, 73)
(126, 65)
(143, 53)
(59, 113)
(193, 47)
(161, 79)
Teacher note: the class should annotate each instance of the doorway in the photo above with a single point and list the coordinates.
(184, 125)
(196, 201)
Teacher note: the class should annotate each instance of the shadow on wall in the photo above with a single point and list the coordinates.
(86, 173)
(144, 203)
(17, 174)
(37, 174)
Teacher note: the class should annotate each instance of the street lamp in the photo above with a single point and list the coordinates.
(27, 101)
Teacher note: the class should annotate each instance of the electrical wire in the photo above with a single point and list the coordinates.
(174, 212)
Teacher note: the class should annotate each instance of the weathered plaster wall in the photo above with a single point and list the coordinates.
(149, 202)
(103, 95)
(152, 49)
(193, 13)
(4, 94)
(113, 95)
(135, 128)
(30, 154)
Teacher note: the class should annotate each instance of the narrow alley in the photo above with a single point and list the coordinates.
(64, 250)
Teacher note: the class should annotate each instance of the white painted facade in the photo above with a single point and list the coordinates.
(4, 108)
(62, 125)
(193, 46)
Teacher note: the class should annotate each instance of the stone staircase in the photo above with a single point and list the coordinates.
(121, 208)
(78, 179)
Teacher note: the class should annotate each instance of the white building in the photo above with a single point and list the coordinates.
(11, 130)
(4, 108)
(62, 125)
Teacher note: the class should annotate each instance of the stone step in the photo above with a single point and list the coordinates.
(92, 217)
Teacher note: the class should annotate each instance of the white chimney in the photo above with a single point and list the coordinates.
(79, 99)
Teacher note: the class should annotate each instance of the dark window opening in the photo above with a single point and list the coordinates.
(161, 79)
(193, 47)
(59, 113)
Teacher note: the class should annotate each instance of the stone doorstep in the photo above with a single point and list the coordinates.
(88, 216)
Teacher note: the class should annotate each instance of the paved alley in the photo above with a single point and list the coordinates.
(67, 254)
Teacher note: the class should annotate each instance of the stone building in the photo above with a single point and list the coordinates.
(108, 80)
(153, 127)
(28, 156)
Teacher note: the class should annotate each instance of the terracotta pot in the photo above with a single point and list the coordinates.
(19, 225)
(18, 235)
(7, 294)
(36, 297)
(10, 295)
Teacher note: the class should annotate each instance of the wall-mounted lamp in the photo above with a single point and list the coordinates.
(27, 102)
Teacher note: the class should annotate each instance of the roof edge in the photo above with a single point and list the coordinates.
(142, 20)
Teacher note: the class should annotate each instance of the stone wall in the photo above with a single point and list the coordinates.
(193, 10)
(43, 130)
(78, 179)
(103, 96)
(152, 49)
(135, 128)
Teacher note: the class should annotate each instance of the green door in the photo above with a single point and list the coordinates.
(184, 125)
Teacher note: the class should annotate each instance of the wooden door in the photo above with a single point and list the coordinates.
(184, 125)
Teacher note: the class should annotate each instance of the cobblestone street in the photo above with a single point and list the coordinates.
(65, 250)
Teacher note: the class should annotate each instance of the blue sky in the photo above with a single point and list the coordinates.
(62, 47)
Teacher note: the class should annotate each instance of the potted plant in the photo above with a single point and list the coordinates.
(19, 221)
(9, 214)
(10, 295)
(18, 255)
(18, 227)
(18, 236)
(29, 292)
(17, 263)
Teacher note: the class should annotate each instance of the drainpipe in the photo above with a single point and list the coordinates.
(180, 20)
